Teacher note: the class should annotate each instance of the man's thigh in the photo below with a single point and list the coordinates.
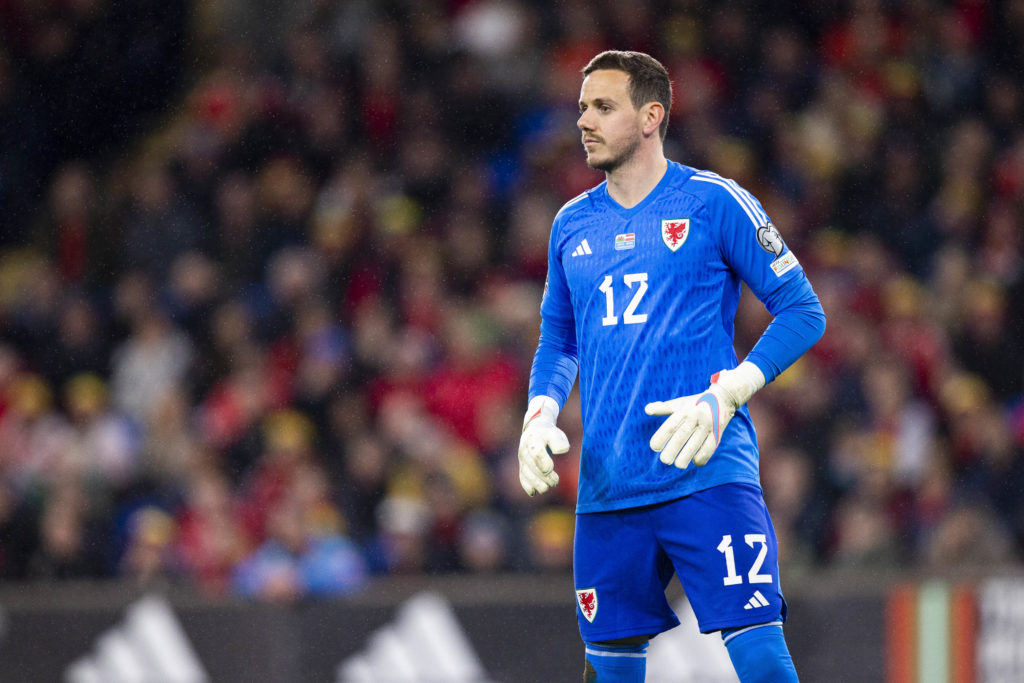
(620, 573)
(722, 545)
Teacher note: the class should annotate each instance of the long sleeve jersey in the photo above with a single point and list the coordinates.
(640, 303)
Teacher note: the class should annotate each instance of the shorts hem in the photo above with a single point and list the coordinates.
(630, 632)
(727, 624)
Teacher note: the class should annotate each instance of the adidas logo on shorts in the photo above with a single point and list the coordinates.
(756, 601)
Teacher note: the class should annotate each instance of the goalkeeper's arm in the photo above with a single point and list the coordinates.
(695, 424)
(552, 374)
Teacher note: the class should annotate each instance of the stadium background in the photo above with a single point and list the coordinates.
(269, 274)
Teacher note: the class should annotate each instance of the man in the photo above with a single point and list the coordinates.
(644, 275)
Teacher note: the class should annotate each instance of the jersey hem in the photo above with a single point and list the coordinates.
(648, 499)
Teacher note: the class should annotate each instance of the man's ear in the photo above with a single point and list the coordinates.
(653, 114)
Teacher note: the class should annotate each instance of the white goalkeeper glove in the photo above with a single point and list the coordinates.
(696, 423)
(540, 440)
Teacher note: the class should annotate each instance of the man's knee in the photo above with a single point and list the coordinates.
(760, 655)
(631, 640)
(621, 660)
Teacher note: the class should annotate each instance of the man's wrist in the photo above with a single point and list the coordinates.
(541, 407)
(741, 382)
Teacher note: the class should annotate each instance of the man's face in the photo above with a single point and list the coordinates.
(612, 128)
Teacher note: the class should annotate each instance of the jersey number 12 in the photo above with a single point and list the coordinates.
(629, 316)
(731, 578)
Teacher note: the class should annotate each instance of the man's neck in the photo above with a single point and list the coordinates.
(630, 183)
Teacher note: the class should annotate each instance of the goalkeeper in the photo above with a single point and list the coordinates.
(644, 274)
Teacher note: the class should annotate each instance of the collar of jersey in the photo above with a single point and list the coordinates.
(666, 178)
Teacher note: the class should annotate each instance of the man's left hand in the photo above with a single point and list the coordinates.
(696, 423)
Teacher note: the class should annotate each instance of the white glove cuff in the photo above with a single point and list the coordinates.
(741, 382)
(541, 407)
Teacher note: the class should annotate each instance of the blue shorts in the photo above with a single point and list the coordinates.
(719, 541)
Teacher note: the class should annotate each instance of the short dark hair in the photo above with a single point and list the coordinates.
(648, 78)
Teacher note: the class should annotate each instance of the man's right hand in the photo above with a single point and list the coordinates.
(540, 440)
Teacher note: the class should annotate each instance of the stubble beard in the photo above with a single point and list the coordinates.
(617, 158)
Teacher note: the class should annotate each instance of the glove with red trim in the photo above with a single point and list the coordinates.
(696, 423)
(540, 440)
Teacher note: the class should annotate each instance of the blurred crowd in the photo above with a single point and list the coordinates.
(281, 343)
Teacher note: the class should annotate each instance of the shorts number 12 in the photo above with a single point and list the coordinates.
(731, 578)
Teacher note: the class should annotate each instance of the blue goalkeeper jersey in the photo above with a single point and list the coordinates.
(641, 302)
